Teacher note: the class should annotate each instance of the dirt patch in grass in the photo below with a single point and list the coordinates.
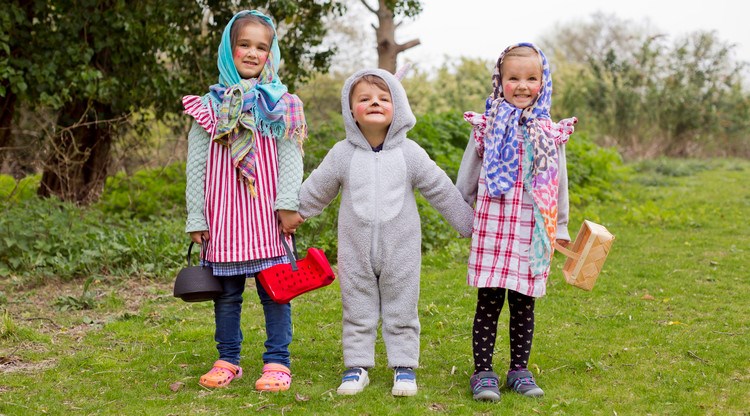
(42, 308)
(15, 364)
(36, 313)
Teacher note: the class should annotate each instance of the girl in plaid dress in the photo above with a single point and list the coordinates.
(244, 172)
(514, 171)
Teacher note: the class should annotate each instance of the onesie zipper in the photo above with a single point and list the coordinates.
(376, 218)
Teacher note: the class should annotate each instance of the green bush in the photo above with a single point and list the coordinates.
(48, 238)
(593, 171)
(443, 137)
(146, 194)
(12, 190)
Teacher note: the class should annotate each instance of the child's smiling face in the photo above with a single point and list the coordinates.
(521, 80)
(251, 49)
(372, 106)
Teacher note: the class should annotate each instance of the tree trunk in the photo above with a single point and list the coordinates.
(7, 110)
(385, 33)
(76, 166)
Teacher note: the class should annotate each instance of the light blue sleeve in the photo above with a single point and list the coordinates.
(195, 172)
(290, 175)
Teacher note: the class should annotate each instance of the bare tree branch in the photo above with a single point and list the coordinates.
(364, 2)
(408, 45)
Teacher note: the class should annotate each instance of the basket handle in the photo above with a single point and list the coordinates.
(291, 256)
(566, 251)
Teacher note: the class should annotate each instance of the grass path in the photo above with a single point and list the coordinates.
(664, 332)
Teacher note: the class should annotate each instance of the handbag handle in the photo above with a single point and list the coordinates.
(190, 249)
(291, 256)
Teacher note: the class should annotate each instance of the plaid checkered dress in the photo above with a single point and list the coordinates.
(501, 241)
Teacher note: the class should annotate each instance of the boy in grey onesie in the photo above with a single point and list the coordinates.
(376, 169)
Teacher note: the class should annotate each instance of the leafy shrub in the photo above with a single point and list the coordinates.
(148, 193)
(593, 171)
(12, 190)
(443, 137)
(66, 241)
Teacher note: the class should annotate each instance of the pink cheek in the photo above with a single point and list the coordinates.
(508, 90)
(360, 108)
(536, 90)
(238, 54)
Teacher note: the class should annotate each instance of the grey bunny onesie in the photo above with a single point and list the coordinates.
(379, 255)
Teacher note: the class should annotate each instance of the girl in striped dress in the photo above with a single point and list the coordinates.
(244, 171)
(514, 170)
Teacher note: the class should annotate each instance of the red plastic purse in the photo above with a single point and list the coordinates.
(284, 282)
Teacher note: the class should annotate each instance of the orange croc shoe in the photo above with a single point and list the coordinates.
(221, 375)
(276, 377)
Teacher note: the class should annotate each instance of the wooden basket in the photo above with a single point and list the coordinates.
(587, 255)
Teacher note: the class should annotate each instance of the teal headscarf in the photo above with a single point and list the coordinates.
(228, 75)
(245, 108)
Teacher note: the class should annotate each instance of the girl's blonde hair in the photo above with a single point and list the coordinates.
(520, 52)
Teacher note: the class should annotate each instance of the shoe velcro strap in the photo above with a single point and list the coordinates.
(519, 374)
(405, 375)
(352, 374)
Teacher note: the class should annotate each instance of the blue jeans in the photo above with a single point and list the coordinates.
(228, 336)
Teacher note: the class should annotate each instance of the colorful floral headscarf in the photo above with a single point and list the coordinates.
(497, 142)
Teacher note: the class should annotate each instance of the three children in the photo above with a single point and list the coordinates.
(248, 130)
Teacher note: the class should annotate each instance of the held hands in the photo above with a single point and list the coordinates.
(290, 220)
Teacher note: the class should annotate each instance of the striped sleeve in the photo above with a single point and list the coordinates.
(203, 114)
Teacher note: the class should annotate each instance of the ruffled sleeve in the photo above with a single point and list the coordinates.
(562, 130)
(479, 126)
(202, 112)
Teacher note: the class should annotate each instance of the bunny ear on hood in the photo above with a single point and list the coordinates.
(401, 73)
(403, 117)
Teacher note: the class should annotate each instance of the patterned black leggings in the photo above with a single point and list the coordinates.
(521, 329)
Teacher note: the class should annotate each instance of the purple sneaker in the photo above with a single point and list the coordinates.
(522, 381)
(484, 386)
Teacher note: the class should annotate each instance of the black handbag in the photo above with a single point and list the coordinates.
(196, 283)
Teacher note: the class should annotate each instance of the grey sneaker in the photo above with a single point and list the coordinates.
(404, 382)
(522, 381)
(354, 381)
(484, 386)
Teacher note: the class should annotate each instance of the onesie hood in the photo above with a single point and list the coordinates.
(403, 118)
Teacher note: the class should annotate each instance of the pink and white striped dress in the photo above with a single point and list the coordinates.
(242, 227)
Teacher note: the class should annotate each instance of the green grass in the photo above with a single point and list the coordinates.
(664, 332)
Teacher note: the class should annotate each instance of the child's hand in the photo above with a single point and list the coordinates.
(195, 236)
(567, 125)
(563, 243)
(290, 220)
